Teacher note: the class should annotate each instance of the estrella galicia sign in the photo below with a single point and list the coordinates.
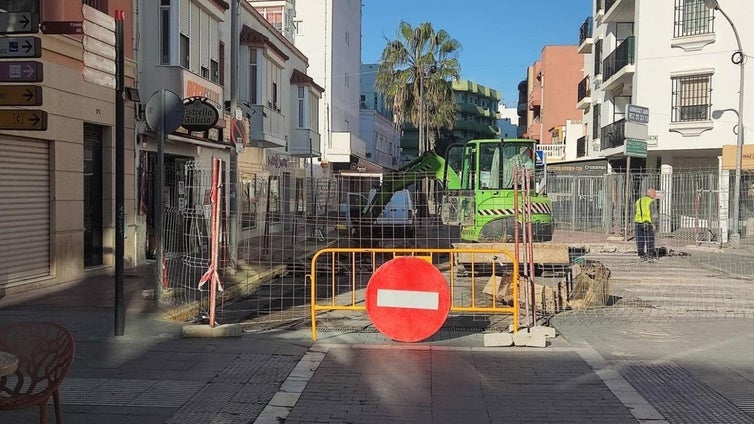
(199, 114)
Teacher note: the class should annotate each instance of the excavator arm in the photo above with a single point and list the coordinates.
(428, 165)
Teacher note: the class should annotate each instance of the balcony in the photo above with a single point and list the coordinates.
(584, 94)
(553, 152)
(618, 66)
(344, 145)
(268, 127)
(533, 131)
(304, 143)
(535, 98)
(481, 130)
(585, 37)
(619, 11)
(613, 135)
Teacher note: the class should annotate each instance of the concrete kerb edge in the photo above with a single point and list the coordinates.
(233, 289)
(241, 282)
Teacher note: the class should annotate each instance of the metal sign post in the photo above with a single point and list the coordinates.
(164, 114)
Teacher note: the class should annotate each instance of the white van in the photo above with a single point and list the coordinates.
(398, 211)
(397, 218)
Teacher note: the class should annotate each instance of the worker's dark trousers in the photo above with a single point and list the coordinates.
(645, 238)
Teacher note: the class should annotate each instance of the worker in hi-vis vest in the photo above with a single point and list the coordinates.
(645, 217)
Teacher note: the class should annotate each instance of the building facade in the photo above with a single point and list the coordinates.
(508, 122)
(329, 34)
(376, 126)
(476, 118)
(281, 103)
(551, 89)
(57, 213)
(674, 59)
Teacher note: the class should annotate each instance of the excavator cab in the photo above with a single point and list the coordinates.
(483, 200)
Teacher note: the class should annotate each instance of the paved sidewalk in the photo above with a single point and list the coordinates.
(606, 366)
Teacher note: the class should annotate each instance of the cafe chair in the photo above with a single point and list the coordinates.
(45, 352)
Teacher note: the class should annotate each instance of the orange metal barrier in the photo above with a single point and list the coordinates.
(488, 258)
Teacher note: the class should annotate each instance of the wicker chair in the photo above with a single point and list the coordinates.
(45, 352)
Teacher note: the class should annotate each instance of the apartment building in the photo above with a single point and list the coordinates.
(57, 219)
(477, 111)
(476, 118)
(550, 88)
(280, 13)
(376, 126)
(508, 121)
(329, 34)
(673, 58)
(281, 103)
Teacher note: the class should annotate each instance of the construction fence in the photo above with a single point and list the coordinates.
(286, 217)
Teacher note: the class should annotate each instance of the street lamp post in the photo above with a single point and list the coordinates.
(738, 59)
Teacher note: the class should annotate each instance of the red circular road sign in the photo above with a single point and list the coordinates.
(237, 132)
(407, 299)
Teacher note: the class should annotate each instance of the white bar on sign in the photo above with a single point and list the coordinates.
(408, 299)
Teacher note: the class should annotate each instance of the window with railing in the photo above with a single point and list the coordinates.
(691, 98)
(584, 89)
(598, 57)
(585, 31)
(581, 147)
(622, 56)
(692, 17)
(596, 121)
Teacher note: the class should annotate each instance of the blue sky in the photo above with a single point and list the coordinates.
(499, 38)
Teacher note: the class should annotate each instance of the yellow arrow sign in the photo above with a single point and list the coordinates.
(23, 119)
(20, 95)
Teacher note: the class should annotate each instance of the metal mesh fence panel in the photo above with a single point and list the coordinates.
(285, 217)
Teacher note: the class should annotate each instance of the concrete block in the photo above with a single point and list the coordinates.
(548, 332)
(521, 338)
(498, 339)
(536, 340)
(205, 331)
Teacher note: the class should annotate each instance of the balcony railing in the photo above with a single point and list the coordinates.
(622, 56)
(553, 151)
(584, 89)
(613, 135)
(586, 30)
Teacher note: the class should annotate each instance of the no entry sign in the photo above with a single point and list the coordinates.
(407, 299)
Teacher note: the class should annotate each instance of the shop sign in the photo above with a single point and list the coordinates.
(199, 115)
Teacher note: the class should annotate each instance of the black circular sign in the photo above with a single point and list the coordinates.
(199, 115)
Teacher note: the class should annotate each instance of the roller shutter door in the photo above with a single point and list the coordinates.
(24, 209)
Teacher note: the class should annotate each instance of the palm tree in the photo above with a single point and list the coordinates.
(416, 70)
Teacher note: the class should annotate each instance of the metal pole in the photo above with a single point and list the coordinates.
(627, 196)
(739, 56)
(120, 310)
(233, 165)
(158, 206)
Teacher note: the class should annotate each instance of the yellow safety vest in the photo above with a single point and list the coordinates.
(643, 212)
